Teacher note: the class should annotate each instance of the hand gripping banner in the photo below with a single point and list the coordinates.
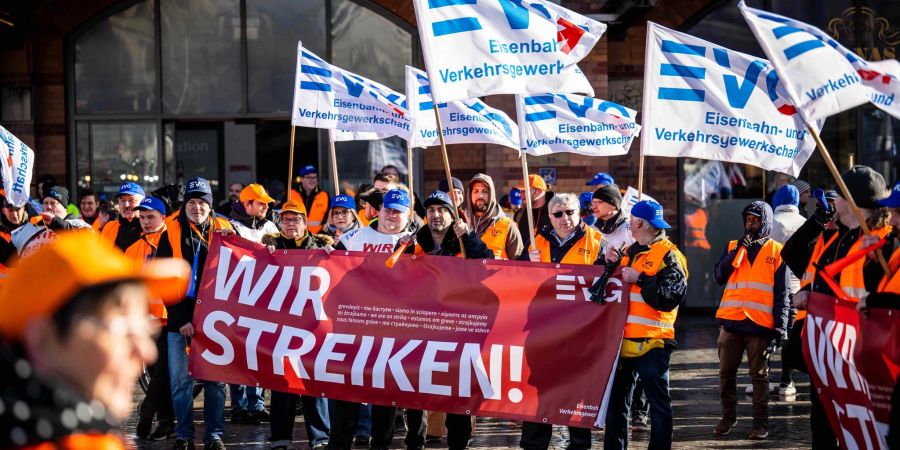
(490, 338)
(853, 362)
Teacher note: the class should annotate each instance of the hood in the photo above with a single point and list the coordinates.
(786, 195)
(762, 209)
(239, 214)
(493, 208)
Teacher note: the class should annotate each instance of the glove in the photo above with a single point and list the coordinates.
(745, 242)
(823, 217)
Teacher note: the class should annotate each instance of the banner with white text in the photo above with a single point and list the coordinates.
(17, 164)
(486, 338)
(709, 102)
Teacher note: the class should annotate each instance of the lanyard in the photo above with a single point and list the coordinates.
(192, 288)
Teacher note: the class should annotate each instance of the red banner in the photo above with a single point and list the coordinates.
(490, 338)
(853, 362)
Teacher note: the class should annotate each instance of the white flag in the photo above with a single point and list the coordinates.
(821, 76)
(326, 96)
(631, 198)
(709, 102)
(17, 167)
(468, 121)
(575, 124)
(475, 48)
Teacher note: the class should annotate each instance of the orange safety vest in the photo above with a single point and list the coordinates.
(111, 231)
(696, 229)
(141, 251)
(891, 281)
(851, 278)
(643, 320)
(495, 237)
(810, 272)
(361, 215)
(96, 226)
(749, 291)
(84, 441)
(585, 251)
(173, 230)
(315, 217)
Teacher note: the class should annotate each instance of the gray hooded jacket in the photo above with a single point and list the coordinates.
(492, 214)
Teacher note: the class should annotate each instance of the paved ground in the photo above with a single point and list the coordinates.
(695, 384)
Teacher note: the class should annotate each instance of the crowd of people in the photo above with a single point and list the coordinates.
(79, 347)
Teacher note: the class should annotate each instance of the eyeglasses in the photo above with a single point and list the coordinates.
(559, 214)
(294, 220)
(344, 212)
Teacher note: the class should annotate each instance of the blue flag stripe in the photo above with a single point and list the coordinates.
(678, 70)
(682, 94)
(313, 70)
(455, 26)
(442, 3)
(424, 90)
(801, 48)
(784, 30)
(539, 100)
(544, 115)
(313, 86)
(677, 47)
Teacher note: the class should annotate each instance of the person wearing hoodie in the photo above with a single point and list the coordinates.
(484, 215)
(752, 316)
(42, 229)
(342, 216)
(540, 198)
(127, 229)
(12, 218)
(857, 279)
(786, 221)
(441, 237)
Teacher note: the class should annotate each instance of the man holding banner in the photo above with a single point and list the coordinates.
(657, 272)
(853, 282)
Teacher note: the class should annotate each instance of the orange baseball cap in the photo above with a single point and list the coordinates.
(294, 207)
(536, 181)
(255, 191)
(78, 260)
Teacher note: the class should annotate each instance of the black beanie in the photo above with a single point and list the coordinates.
(609, 194)
(59, 194)
(866, 185)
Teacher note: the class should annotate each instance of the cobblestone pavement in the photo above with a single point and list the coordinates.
(694, 383)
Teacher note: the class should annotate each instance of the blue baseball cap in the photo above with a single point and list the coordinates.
(600, 178)
(650, 211)
(397, 199)
(585, 198)
(515, 197)
(130, 189)
(343, 201)
(198, 188)
(308, 169)
(893, 201)
(152, 204)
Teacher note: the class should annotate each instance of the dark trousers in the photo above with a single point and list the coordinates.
(459, 430)
(283, 408)
(640, 407)
(653, 368)
(158, 400)
(731, 353)
(343, 425)
(823, 437)
(536, 436)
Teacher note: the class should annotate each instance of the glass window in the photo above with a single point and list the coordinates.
(124, 151)
(115, 63)
(15, 104)
(197, 153)
(83, 154)
(273, 29)
(368, 44)
(201, 50)
(359, 161)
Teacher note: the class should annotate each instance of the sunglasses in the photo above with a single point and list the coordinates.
(559, 214)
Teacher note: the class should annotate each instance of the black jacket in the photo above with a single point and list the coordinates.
(781, 304)
(797, 252)
(129, 232)
(475, 247)
(307, 242)
(541, 221)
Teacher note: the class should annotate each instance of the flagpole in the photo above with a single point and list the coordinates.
(334, 169)
(846, 193)
(440, 130)
(520, 117)
(409, 171)
(291, 163)
(640, 175)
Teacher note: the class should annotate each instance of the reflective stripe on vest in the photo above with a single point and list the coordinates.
(749, 292)
(851, 280)
(891, 281)
(494, 237)
(644, 321)
(585, 251)
(316, 213)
